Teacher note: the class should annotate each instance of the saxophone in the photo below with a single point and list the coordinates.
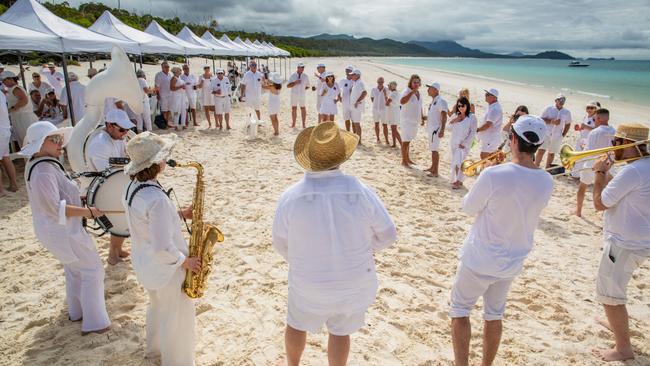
(203, 236)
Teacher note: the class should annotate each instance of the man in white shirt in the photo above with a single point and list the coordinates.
(626, 225)
(558, 120)
(221, 91)
(251, 88)
(357, 102)
(506, 200)
(190, 89)
(298, 83)
(327, 227)
(490, 130)
(346, 87)
(162, 83)
(378, 97)
(320, 79)
(54, 78)
(78, 92)
(107, 144)
(436, 122)
(601, 136)
(5, 140)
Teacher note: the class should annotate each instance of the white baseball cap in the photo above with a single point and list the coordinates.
(7, 74)
(321, 65)
(120, 118)
(356, 72)
(592, 103)
(276, 78)
(560, 96)
(2, 66)
(50, 64)
(492, 91)
(219, 71)
(72, 76)
(530, 123)
(38, 132)
(349, 68)
(300, 64)
(434, 85)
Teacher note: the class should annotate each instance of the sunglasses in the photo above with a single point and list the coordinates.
(56, 139)
(591, 108)
(36, 76)
(561, 100)
(122, 130)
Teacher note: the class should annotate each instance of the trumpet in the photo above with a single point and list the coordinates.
(569, 157)
(471, 168)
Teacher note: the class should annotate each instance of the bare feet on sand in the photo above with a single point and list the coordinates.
(113, 260)
(100, 331)
(613, 354)
(13, 189)
(603, 322)
(124, 253)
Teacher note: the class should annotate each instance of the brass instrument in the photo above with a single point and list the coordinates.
(569, 157)
(471, 168)
(203, 236)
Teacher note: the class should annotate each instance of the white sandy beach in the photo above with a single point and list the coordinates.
(240, 321)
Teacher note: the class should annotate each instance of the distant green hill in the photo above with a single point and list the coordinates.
(337, 46)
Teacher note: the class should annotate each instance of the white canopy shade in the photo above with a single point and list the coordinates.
(263, 50)
(234, 51)
(187, 35)
(108, 25)
(190, 49)
(246, 51)
(254, 50)
(72, 38)
(22, 39)
(272, 51)
(282, 52)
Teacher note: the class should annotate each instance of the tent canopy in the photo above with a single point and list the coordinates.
(187, 35)
(71, 37)
(253, 50)
(234, 51)
(282, 52)
(271, 51)
(245, 50)
(17, 38)
(262, 50)
(108, 25)
(190, 49)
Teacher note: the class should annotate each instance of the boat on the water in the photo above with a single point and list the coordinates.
(577, 64)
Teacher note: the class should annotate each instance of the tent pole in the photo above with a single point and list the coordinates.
(22, 72)
(67, 88)
(214, 68)
(141, 60)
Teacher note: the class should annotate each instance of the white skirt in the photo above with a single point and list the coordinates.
(409, 130)
(328, 106)
(274, 103)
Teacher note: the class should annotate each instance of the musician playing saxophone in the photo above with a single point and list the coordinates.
(160, 252)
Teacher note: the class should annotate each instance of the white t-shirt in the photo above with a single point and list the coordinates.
(589, 121)
(162, 82)
(627, 220)
(101, 148)
(4, 113)
(190, 81)
(412, 110)
(78, 91)
(564, 115)
(43, 88)
(253, 82)
(56, 80)
(298, 90)
(393, 108)
(507, 200)
(601, 136)
(357, 89)
(346, 88)
(494, 114)
(223, 84)
(379, 99)
(434, 116)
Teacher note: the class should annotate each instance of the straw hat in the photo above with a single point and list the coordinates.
(324, 147)
(38, 132)
(147, 149)
(632, 131)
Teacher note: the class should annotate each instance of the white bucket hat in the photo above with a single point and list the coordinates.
(38, 132)
(147, 149)
(276, 78)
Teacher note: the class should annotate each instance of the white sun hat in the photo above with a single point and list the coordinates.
(120, 118)
(530, 123)
(147, 149)
(492, 91)
(276, 78)
(434, 85)
(38, 132)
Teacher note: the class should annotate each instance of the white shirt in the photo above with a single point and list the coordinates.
(327, 227)
(379, 99)
(507, 200)
(462, 133)
(102, 147)
(564, 115)
(43, 89)
(49, 191)
(4, 112)
(190, 81)
(627, 220)
(601, 136)
(357, 89)
(253, 82)
(346, 88)
(412, 110)
(320, 81)
(143, 85)
(494, 114)
(434, 115)
(158, 247)
(589, 121)
(299, 89)
(78, 91)
(56, 80)
(221, 86)
(161, 81)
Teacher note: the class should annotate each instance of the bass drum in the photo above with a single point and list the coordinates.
(106, 193)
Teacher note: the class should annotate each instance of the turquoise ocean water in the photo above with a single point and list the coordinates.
(622, 80)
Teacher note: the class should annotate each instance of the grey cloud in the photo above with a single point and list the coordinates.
(630, 35)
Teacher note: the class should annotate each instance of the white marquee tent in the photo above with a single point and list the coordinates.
(190, 49)
(234, 50)
(187, 35)
(243, 45)
(17, 38)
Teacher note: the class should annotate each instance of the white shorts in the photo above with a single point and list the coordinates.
(165, 103)
(489, 146)
(347, 113)
(5, 139)
(434, 139)
(379, 116)
(191, 97)
(298, 100)
(552, 145)
(469, 286)
(254, 103)
(408, 131)
(356, 113)
(221, 105)
(392, 117)
(338, 324)
(615, 271)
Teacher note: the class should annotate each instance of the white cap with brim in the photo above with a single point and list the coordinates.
(219, 71)
(7, 74)
(320, 65)
(349, 68)
(72, 76)
(276, 78)
(356, 72)
(592, 103)
(560, 96)
(434, 85)
(147, 149)
(38, 132)
(530, 123)
(2, 66)
(492, 91)
(120, 118)
(50, 64)
(301, 64)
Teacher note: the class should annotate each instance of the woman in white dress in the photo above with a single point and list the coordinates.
(330, 94)
(143, 120)
(273, 87)
(51, 110)
(392, 113)
(179, 99)
(207, 99)
(21, 113)
(57, 212)
(463, 129)
(410, 117)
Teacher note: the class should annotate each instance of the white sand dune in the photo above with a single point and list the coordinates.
(241, 319)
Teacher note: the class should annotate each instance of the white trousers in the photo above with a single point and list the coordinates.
(144, 118)
(170, 324)
(84, 288)
(457, 157)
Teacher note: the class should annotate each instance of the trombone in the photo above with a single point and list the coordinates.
(570, 157)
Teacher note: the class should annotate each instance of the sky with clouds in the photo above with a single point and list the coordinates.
(580, 27)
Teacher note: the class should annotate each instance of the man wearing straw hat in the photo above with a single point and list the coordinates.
(626, 225)
(327, 227)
